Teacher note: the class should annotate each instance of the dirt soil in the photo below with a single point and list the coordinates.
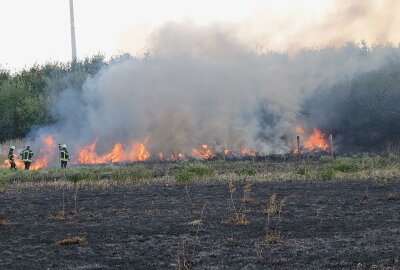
(324, 224)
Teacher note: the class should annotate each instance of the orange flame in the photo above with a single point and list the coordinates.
(316, 141)
(245, 151)
(204, 152)
(46, 152)
(42, 158)
(136, 152)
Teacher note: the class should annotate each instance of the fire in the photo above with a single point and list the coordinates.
(316, 141)
(40, 159)
(204, 152)
(177, 156)
(245, 151)
(133, 152)
(136, 152)
(45, 154)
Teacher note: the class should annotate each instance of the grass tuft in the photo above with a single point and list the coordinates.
(186, 173)
(240, 220)
(75, 240)
(392, 196)
(60, 216)
(245, 170)
(273, 239)
(4, 222)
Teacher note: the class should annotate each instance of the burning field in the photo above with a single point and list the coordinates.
(208, 152)
(137, 151)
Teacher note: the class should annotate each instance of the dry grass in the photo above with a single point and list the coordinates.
(274, 211)
(75, 240)
(230, 238)
(240, 220)
(365, 194)
(273, 239)
(380, 169)
(392, 196)
(183, 261)
(273, 206)
(4, 222)
(247, 193)
(96, 216)
(197, 222)
(60, 216)
(119, 210)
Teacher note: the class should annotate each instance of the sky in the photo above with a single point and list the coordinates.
(36, 31)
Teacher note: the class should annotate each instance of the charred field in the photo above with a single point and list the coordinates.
(312, 213)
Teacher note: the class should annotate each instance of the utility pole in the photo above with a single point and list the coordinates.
(73, 43)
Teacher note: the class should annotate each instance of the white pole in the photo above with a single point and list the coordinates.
(73, 43)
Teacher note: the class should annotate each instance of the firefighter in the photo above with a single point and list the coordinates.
(64, 156)
(26, 157)
(11, 158)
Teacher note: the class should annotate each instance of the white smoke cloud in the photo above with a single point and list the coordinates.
(201, 85)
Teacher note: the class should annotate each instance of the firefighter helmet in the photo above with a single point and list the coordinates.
(64, 146)
(12, 147)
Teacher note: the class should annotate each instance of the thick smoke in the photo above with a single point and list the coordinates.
(363, 112)
(201, 85)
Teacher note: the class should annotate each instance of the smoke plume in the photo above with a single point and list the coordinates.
(202, 85)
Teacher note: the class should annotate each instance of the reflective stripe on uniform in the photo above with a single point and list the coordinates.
(63, 155)
(27, 156)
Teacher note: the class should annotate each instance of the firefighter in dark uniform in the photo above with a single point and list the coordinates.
(11, 158)
(26, 157)
(64, 156)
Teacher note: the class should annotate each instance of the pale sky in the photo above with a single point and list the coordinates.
(39, 30)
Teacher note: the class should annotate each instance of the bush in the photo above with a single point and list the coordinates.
(245, 170)
(200, 170)
(304, 170)
(327, 173)
(75, 176)
(325, 159)
(132, 173)
(346, 164)
(185, 173)
(184, 177)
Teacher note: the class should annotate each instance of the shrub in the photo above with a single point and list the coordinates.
(327, 173)
(345, 165)
(132, 173)
(186, 173)
(184, 177)
(76, 176)
(325, 159)
(200, 170)
(303, 170)
(245, 170)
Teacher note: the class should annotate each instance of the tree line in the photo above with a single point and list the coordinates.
(26, 97)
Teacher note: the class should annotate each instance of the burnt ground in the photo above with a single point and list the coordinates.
(324, 224)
